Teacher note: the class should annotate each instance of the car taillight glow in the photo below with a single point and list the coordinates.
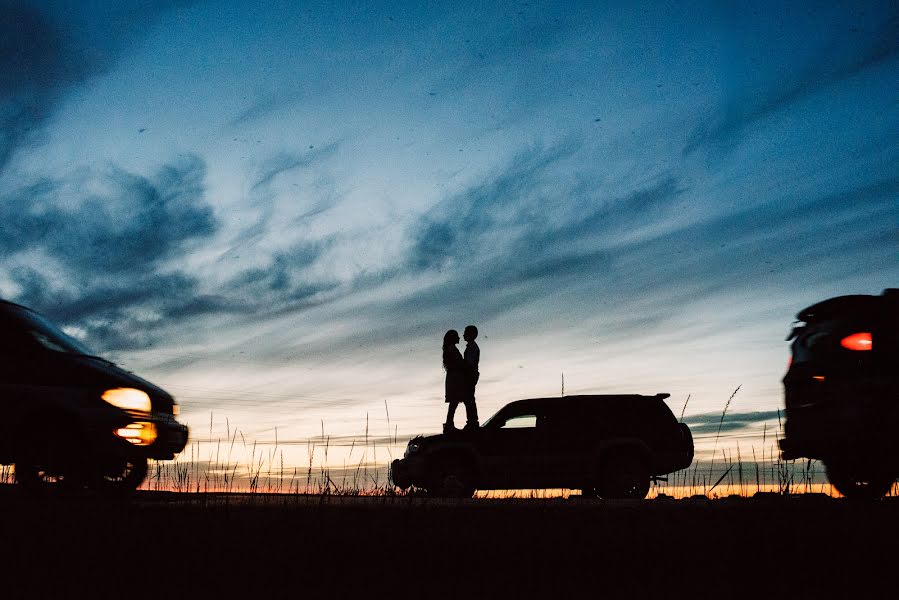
(857, 341)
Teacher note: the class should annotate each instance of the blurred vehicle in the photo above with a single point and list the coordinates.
(841, 391)
(71, 419)
(607, 446)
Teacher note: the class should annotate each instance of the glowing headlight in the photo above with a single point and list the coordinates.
(128, 399)
(139, 434)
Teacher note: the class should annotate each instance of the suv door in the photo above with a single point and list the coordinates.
(512, 451)
(15, 374)
(563, 446)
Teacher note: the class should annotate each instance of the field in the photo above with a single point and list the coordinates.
(158, 544)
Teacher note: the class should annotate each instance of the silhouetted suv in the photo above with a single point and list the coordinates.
(607, 446)
(68, 418)
(842, 391)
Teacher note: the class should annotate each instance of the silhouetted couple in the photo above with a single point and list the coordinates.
(461, 376)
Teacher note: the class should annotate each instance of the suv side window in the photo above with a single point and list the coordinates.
(520, 422)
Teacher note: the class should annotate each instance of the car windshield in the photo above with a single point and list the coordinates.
(493, 418)
(49, 335)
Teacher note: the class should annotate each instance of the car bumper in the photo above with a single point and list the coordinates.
(406, 472)
(170, 438)
(821, 428)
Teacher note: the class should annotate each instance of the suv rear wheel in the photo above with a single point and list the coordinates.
(45, 465)
(623, 475)
(853, 482)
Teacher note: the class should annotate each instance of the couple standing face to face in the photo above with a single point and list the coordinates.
(461, 375)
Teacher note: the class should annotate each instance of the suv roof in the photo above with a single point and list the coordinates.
(597, 400)
(839, 306)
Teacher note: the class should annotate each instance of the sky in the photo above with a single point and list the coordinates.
(276, 211)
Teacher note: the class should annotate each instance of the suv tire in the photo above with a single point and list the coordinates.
(40, 467)
(125, 478)
(858, 483)
(452, 479)
(625, 475)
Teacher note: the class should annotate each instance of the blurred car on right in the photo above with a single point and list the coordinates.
(841, 392)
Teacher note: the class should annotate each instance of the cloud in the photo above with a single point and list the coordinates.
(105, 260)
(540, 220)
(285, 162)
(542, 225)
(107, 253)
(37, 62)
(709, 422)
(855, 41)
(44, 53)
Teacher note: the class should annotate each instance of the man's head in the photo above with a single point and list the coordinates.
(470, 333)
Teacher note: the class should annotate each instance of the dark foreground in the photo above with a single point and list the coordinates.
(168, 545)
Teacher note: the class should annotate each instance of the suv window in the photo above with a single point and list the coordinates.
(520, 422)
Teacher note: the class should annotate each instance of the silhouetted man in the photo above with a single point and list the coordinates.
(472, 357)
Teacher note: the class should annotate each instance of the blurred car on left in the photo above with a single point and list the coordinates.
(70, 419)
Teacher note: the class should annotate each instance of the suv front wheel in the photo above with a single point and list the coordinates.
(624, 475)
(120, 477)
(452, 479)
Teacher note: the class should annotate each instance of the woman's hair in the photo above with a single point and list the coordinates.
(450, 339)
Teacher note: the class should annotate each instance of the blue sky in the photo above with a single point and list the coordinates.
(277, 212)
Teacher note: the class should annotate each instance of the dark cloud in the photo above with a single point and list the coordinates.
(287, 162)
(282, 284)
(710, 422)
(530, 226)
(268, 105)
(105, 253)
(46, 51)
(856, 41)
(137, 224)
(37, 62)
(105, 261)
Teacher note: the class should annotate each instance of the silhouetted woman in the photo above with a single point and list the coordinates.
(458, 381)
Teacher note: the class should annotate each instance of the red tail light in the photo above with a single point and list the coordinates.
(857, 341)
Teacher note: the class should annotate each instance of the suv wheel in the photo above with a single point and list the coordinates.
(43, 467)
(853, 482)
(624, 475)
(452, 479)
(124, 477)
(36, 478)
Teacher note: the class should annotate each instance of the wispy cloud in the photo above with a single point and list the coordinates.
(848, 41)
(710, 422)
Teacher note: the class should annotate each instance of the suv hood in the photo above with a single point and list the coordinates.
(97, 372)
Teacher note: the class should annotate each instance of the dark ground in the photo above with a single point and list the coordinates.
(168, 545)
